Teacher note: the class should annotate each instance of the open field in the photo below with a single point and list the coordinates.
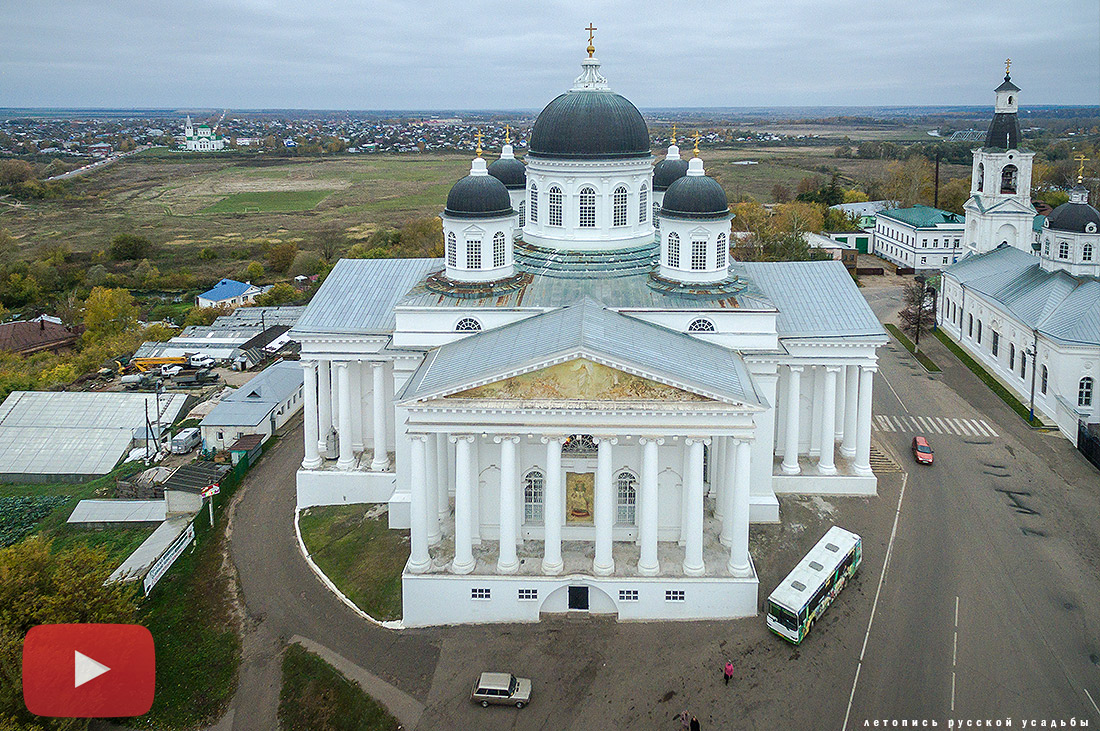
(274, 201)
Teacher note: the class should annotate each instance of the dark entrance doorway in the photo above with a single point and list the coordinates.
(578, 598)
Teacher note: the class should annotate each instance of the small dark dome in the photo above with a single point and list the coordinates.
(1004, 132)
(667, 172)
(590, 124)
(1074, 217)
(478, 196)
(509, 171)
(695, 196)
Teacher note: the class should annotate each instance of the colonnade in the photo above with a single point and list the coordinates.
(840, 413)
(336, 401)
(429, 502)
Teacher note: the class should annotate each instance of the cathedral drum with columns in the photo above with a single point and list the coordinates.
(585, 404)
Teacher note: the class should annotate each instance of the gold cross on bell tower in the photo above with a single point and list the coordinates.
(591, 29)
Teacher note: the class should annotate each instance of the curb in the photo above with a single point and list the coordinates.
(393, 624)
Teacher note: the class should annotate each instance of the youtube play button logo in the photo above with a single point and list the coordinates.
(88, 670)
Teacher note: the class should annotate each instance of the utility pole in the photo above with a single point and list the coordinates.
(936, 195)
(920, 310)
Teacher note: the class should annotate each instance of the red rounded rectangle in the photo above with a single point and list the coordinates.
(89, 670)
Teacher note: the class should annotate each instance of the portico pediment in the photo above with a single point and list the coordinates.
(579, 379)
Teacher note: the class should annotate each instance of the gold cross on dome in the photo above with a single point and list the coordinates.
(507, 134)
(479, 143)
(591, 29)
(696, 150)
(1081, 160)
(1008, 65)
(674, 133)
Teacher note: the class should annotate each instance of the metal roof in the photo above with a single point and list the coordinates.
(1057, 304)
(585, 327)
(226, 289)
(358, 295)
(118, 511)
(141, 560)
(815, 567)
(195, 476)
(250, 404)
(920, 216)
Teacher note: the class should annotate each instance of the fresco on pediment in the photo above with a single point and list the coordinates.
(579, 379)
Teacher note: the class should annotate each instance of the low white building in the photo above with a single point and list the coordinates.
(229, 292)
(260, 406)
(920, 237)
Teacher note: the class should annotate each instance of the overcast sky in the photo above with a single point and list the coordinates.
(478, 54)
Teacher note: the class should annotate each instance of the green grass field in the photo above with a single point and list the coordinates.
(287, 201)
(316, 696)
(361, 555)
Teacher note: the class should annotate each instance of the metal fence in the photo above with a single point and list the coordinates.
(1088, 443)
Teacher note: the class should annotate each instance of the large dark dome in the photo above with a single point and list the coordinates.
(509, 171)
(1074, 217)
(667, 172)
(478, 196)
(695, 196)
(590, 124)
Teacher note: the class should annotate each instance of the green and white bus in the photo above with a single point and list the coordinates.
(802, 597)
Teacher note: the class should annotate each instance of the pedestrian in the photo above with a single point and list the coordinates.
(694, 724)
(728, 672)
(685, 719)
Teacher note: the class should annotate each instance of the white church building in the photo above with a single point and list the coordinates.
(202, 138)
(586, 403)
(1028, 311)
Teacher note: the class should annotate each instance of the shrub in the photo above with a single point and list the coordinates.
(254, 271)
(130, 247)
(282, 256)
(207, 254)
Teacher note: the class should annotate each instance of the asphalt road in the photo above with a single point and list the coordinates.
(1023, 567)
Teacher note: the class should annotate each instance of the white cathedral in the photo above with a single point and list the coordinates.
(202, 138)
(585, 404)
(1025, 300)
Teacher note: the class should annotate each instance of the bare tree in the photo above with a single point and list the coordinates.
(918, 312)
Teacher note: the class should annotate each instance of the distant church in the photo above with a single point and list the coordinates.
(586, 402)
(201, 138)
(1025, 301)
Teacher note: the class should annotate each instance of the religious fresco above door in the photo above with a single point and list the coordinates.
(580, 492)
(579, 379)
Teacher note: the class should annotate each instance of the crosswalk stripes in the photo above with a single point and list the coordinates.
(934, 425)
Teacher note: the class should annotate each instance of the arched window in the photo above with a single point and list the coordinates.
(533, 483)
(619, 207)
(698, 254)
(499, 250)
(643, 204)
(1086, 252)
(468, 325)
(586, 208)
(656, 216)
(534, 203)
(674, 250)
(1011, 356)
(970, 325)
(701, 325)
(1023, 364)
(555, 206)
(1043, 381)
(522, 214)
(979, 332)
(1008, 179)
(583, 445)
(452, 250)
(473, 253)
(1010, 101)
(1084, 392)
(625, 484)
(1063, 249)
(981, 176)
(723, 250)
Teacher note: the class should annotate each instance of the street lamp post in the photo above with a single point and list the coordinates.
(920, 309)
(1031, 410)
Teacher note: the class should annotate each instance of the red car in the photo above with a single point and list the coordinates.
(921, 451)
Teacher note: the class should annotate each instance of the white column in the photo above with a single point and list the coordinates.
(841, 403)
(790, 444)
(475, 490)
(381, 459)
(730, 512)
(356, 374)
(343, 380)
(324, 406)
(647, 527)
(851, 411)
(718, 474)
(419, 558)
(685, 493)
(604, 563)
(443, 477)
(825, 464)
(693, 545)
(815, 410)
(739, 564)
(309, 412)
(464, 555)
(431, 469)
(553, 508)
(862, 464)
(507, 562)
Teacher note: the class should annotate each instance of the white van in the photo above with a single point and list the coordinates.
(186, 440)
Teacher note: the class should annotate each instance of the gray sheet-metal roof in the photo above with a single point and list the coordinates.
(250, 404)
(74, 433)
(815, 299)
(142, 559)
(1057, 304)
(359, 295)
(118, 511)
(585, 327)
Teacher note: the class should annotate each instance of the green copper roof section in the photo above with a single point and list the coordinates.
(922, 216)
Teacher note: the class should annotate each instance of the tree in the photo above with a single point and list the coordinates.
(910, 182)
(781, 193)
(13, 172)
(855, 196)
(41, 586)
(799, 217)
(130, 246)
(331, 242)
(954, 194)
(19, 289)
(918, 312)
(748, 215)
(254, 271)
(205, 315)
(279, 294)
(422, 237)
(280, 257)
(109, 312)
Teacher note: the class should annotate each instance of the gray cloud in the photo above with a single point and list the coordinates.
(477, 54)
